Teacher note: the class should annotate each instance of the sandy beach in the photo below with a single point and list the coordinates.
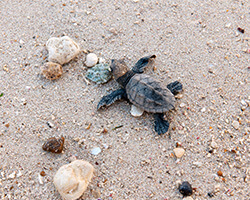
(205, 45)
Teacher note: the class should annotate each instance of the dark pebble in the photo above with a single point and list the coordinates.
(54, 145)
(210, 194)
(241, 30)
(186, 189)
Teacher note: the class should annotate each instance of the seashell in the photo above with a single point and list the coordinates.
(136, 111)
(100, 73)
(72, 180)
(91, 60)
(179, 152)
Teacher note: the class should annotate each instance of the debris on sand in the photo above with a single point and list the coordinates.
(186, 189)
(52, 70)
(54, 145)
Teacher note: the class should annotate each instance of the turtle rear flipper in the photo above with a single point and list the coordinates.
(139, 66)
(111, 98)
(161, 125)
(175, 87)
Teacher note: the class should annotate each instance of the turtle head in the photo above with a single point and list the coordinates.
(118, 68)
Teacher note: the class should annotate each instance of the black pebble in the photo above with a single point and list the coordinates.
(210, 194)
(241, 30)
(186, 189)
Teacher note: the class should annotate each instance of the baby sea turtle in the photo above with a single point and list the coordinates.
(143, 91)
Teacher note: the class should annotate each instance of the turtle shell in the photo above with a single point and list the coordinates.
(148, 94)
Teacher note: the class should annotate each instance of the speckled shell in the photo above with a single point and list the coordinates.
(52, 70)
(148, 94)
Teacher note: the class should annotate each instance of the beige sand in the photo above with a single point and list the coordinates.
(195, 43)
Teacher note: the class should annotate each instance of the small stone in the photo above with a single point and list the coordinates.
(19, 174)
(210, 194)
(96, 151)
(203, 109)
(186, 189)
(228, 25)
(136, 111)
(50, 124)
(12, 175)
(182, 105)
(236, 125)
(210, 71)
(91, 60)
(197, 164)
(102, 60)
(179, 152)
(100, 73)
(62, 50)
(217, 188)
(72, 180)
(219, 173)
(21, 41)
(5, 68)
(179, 96)
(54, 145)
(52, 70)
(243, 102)
(214, 145)
(40, 179)
(42, 173)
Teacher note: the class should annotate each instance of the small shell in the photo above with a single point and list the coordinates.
(96, 151)
(179, 152)
(91, 60)
(136, 111)
(54, 145)
(100, 73)
(52, 70)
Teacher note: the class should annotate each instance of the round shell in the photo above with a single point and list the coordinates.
(148, 94)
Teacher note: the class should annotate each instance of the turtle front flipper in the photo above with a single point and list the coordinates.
(111, 98)
(161, 125)
(175, 87)
(139, 66)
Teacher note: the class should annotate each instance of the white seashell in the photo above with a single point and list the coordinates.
(96, 151)
(135, 111)
(72, 180)
(91, 60)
